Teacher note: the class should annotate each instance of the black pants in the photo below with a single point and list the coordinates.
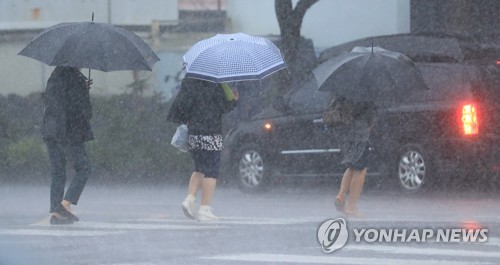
(81, 163)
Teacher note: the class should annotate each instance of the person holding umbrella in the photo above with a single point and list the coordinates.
(65, 129)
(362, 80)
(201, 104)
(205, 96)
(71, 46)
(352, 123)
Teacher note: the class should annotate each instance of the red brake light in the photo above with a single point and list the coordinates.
(268, 126)
(470, 123)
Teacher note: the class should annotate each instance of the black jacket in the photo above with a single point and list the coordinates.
(68, 109)
(200, 104)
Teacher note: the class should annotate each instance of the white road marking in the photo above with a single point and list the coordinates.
(57, 233)
(89, 229)
(244, 221)
(431, 251)
(332, 259)
(137, 263)
(140, 226)
(493, 241)
(424, 219)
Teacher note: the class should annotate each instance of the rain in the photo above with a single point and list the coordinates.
(413, 177)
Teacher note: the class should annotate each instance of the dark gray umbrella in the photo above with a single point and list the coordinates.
(91, 45)
(427, 47)
(369, 73)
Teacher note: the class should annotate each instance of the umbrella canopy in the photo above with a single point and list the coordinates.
(91, 45)
(369, 73)
(233, 57)
(452, 48)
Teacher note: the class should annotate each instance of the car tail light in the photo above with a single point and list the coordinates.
(268, 126)
(470, 122)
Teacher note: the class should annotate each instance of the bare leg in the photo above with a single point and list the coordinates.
(67, 205)
(344, 188)
(195, 183)
(356, 187)
(208, 190)
(346, 183)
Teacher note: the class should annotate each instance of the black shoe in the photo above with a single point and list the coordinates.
(54, 220)
(67, 214)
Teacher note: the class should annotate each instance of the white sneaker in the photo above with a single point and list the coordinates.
(205, 214)
(188, 206)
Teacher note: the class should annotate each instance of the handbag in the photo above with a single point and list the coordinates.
(180, 138)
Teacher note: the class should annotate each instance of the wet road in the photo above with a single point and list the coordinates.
(145, 225)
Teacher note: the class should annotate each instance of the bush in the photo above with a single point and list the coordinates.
(132, 139)
(27, 153)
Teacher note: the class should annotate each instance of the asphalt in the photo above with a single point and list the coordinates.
(144, 225)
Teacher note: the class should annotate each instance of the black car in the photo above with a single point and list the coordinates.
(450, 130)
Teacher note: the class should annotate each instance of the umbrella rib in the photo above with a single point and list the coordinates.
(61, 47)
(230, 57)
(130, 37)
(96, 45)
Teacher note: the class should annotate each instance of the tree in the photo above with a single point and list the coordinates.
(290, 22)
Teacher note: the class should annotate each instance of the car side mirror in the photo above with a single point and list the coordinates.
(280, 105)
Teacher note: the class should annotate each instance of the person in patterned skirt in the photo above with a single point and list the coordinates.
(201, 104)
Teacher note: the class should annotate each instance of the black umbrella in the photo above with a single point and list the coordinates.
(369, 73)
(451, 48)
(91, 45)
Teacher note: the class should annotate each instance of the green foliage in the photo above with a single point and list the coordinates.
(132, 139)
(27, 153)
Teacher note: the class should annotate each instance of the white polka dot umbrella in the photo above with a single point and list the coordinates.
(232, 57)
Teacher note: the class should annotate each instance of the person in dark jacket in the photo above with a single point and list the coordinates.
(65, 129)
(201, 104)
(354, 141)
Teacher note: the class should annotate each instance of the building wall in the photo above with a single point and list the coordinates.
(450, 16)
(16, 13)
(327, 22)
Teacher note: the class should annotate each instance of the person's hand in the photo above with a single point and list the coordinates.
(89, 83)
(236, 93)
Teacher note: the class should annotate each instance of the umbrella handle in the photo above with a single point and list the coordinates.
(89, 78)
(92, 21)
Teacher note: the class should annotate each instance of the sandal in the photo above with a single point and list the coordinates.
(340, 203)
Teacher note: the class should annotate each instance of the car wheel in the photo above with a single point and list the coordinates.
(413, 168)
(251, 170)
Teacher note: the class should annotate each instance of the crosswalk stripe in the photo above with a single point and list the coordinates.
(332, 259)
(426, 251)
(43, 227)
(57, 233)
(244, 221)
(493, 241)
(136, 226)
(89, 229)
(138, 263)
